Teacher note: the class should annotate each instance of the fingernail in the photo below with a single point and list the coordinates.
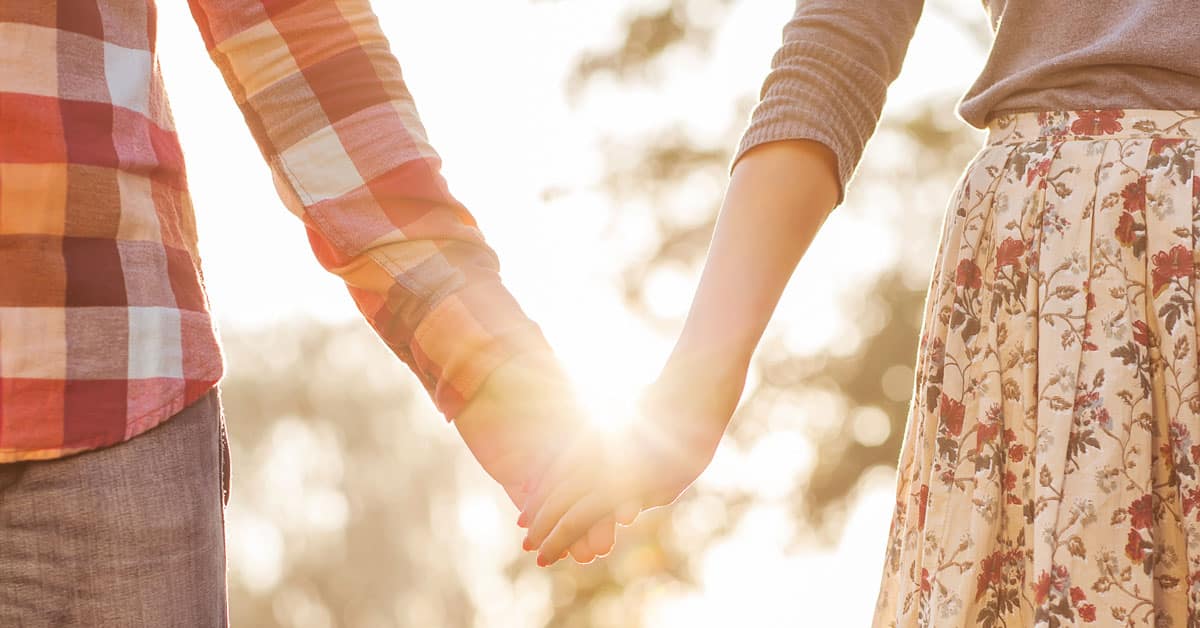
(523, 521)
(564, 555)
(542, 562)
(527, 545)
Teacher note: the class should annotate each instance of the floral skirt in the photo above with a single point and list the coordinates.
(1050, 472)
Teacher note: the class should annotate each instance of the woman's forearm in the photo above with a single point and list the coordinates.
(778, 198)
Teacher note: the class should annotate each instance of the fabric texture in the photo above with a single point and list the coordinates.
(104, 324)
(1050, 471)
(129, 535)
(104, 329)
(829, 78)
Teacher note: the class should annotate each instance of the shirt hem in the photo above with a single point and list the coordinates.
(133, 428)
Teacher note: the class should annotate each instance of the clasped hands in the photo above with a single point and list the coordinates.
(573, 482)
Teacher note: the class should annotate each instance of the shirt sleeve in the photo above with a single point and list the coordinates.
(829, 79)
(325, 101)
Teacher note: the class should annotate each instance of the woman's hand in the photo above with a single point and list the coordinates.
(610, 479)
(525, 416)
(779, 195)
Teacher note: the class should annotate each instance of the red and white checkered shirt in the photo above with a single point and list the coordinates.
(104, 323)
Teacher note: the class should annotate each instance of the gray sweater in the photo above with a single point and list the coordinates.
(829, 78)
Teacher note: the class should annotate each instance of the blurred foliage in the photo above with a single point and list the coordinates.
(341, 511)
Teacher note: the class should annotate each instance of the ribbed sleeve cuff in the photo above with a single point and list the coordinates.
(817, 93)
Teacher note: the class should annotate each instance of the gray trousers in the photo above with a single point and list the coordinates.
(126, 536)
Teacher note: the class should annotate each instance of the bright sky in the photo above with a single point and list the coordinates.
(488, 77)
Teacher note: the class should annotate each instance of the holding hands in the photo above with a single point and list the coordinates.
(524, 417)
(608, 477)
(573, 483)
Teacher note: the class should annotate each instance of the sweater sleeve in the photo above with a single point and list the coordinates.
(829, 79)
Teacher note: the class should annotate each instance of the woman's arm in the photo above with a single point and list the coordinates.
(818, 107)
(778, 198)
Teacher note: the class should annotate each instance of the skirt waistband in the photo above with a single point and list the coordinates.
(1092, 124)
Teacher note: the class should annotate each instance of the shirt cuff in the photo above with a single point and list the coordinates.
(465, 336)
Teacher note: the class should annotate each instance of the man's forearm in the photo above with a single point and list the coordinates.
(327, 105)
(778, 198)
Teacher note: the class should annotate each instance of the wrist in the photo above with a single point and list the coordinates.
(708, 380)
(710, 358)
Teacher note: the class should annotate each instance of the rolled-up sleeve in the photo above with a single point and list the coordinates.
(829, 78)
(324, 99)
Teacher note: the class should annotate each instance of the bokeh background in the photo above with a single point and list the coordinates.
(591, 140)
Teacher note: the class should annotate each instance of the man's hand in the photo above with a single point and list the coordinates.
(525, 416)
(599, 480)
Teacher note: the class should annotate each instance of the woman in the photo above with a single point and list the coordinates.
(1049, 471)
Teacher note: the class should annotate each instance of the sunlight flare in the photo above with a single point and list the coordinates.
(610, 406)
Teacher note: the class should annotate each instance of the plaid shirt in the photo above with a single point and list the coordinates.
(104, 323)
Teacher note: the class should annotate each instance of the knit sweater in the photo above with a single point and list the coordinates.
(829, 79)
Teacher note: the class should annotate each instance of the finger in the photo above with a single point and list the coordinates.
(572, 526)
(582, 552)
(538, 469)
(628, 512)
(569, 491)
(602, 537)
(545, 482)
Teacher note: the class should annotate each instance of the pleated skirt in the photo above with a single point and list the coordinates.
(1050, 470)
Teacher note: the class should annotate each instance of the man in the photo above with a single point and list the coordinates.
(113, 463)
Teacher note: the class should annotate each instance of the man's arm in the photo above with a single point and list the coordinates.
(326, 103)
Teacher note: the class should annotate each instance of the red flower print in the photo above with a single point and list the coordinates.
(1088, 345)
(1169, 265)
(1077, 595)
(985, 434)
(1011, 250)
(1041, 589)
(1190, 501)
(1141, 512)
(1088, 613)
(968, 274)
(952, 415)
(1097, 121)
(926, 587)
(1159, 144)
(1016, 453)
(1141, 333)
(1134, 196)
(1010, 480)
(1126, 226)
(1040, 170)
(990, 572)
(1133, 548)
